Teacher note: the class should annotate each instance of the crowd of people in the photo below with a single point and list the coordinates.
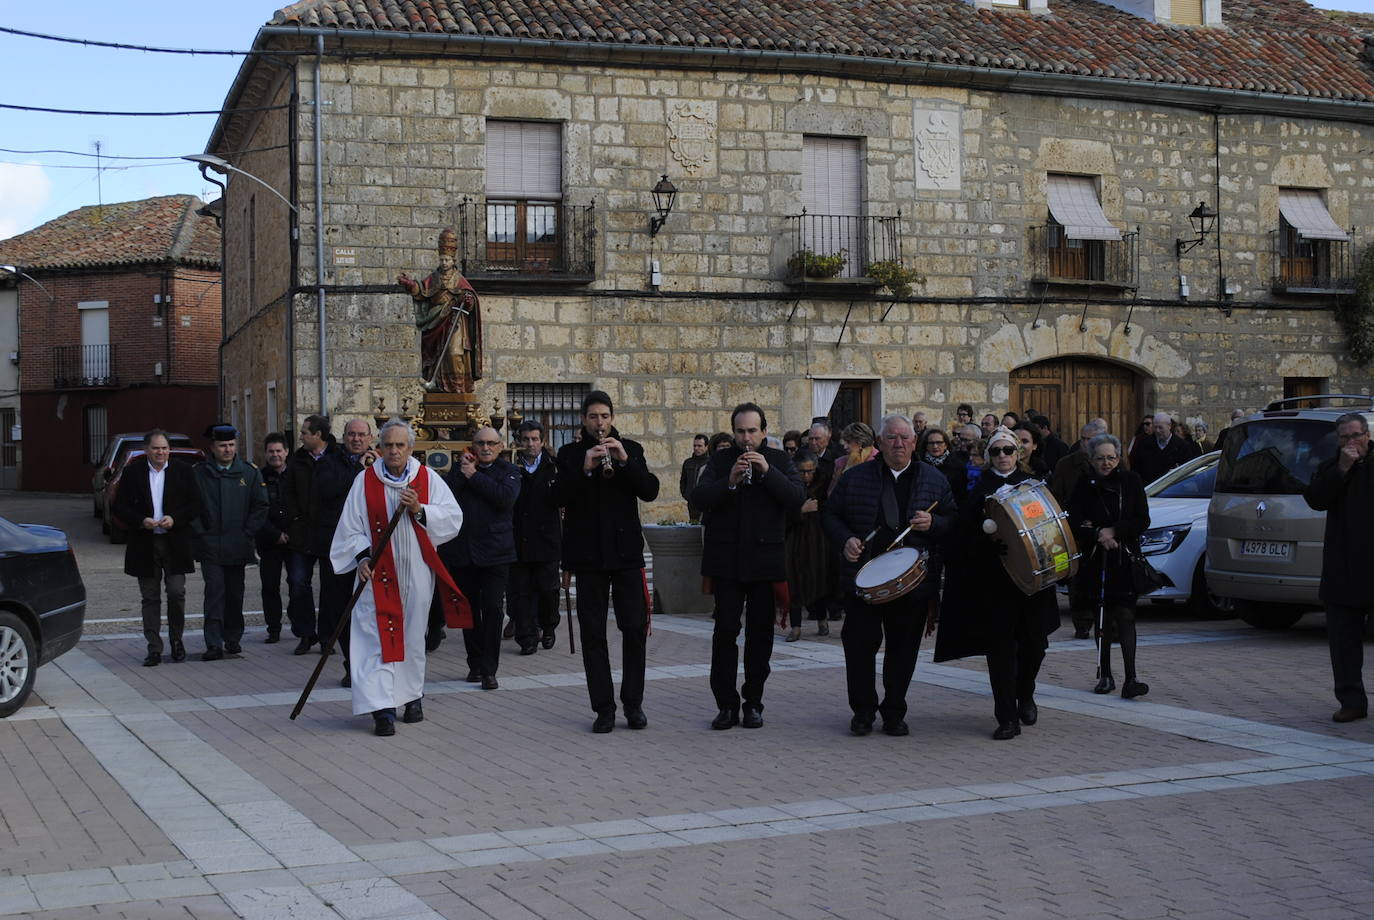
(792, 526)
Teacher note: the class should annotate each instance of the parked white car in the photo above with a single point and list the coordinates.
(1176, 543)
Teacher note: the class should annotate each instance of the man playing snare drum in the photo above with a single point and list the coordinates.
(872, 505)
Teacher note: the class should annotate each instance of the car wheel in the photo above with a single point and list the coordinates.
(1206, 605)
(18, 663)
(1262, 615)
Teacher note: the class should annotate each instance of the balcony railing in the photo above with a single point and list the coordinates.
(84, 366)
(1304, 266)
(517, 240)
(1056, 259)
(840, 247)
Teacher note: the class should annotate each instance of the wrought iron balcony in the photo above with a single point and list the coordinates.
(527, 241)
(1303, 266)
(1056, 259)
(838, 248)
(76, 366)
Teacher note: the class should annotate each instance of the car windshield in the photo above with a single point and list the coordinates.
(1275, 456)
(1189, 481)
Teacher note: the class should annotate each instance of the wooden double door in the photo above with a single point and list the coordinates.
(1073, 390)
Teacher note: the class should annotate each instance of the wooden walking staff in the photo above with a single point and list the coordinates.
(328, 648)
(567, 598)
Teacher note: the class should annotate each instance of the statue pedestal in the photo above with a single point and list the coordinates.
(443, 430)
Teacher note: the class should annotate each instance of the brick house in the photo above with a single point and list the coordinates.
(1040, 162)
(122, 335)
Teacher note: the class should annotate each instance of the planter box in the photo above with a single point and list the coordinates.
(676, 549)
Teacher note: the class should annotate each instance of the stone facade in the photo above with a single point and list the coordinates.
(404, 143)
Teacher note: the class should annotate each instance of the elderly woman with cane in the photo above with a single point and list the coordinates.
(1109, 512)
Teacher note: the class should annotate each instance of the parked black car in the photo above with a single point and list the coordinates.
(42, 605)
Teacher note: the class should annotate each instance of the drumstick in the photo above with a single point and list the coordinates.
(902, 536)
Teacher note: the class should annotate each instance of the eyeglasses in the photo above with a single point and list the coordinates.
(1352, 437)
(486, 443)
(935, 444)
(1004, 451)
(1105, 459)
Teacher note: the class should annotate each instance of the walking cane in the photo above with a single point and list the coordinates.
(567, 601)
(328, 648)
(1101, 613)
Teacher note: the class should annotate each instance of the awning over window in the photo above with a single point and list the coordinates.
(1306, 213)
(1074, 205)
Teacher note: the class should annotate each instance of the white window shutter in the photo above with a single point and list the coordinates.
(524, 160)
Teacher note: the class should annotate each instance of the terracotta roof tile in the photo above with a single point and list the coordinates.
(1274, 46)
(153, 230)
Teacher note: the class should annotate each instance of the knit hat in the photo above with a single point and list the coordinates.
(1003, 433)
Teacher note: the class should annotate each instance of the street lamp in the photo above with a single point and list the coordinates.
(664, 193)
(1202, 218)
(224, 167)
(15, 270)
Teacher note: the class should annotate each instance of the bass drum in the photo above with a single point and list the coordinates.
(1041, 550)
(892, 575)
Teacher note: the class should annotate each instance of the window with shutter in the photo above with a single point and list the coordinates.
(524, 188)
(832, 194)
(1186, 12)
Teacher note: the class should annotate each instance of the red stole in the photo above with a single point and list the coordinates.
(386, 592)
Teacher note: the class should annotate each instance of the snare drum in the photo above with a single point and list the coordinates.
(1040, 547)
(891, 575)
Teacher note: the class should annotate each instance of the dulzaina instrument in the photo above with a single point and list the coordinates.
(1041, 550)
(893, 573)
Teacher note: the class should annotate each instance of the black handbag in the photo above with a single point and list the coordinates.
(1145, 578)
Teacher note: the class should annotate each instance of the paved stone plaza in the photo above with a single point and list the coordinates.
(185, 791)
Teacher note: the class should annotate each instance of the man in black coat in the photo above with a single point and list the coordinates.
(333, 478)
(871, 505)
(1154, 455)
(749, 491)
(272, 540)
(602, 477)
(532, 597)
(479, 558)
(156, 502)
(1052, 448)
(303, 527)
(692, 468)
(1343, 487)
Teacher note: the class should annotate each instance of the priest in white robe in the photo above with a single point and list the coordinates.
(387, 657)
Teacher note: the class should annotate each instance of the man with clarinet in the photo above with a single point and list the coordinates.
(749, 491)
(390, 613)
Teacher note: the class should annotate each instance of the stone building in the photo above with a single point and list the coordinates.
(118, 314)
(1115, 206)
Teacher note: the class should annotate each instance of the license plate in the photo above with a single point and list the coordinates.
(1274, 549)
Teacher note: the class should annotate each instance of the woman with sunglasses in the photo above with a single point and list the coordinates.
(1109, 511)
(935, 448)
(985, 613)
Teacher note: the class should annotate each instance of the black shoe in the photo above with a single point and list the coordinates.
(726, 718)
(433, 639)
(346, 681)
(605, 722)
(178, 650)
(213, 654)
(272, 638)
(414, 713)
(822, 628)
(752, 718)
(489, 682)
(860, 727)
(1028, 712)
(1106, 685)
(303, 646)
(233, 648)
(473, 677)
(529, 649)
(549, 639)
(155, 658)
(1081, 634)
(635, 717)
(1346, 714)
(896, 728)
(1134, 688)
(1006, 731)
(384, 723)
(509, 631)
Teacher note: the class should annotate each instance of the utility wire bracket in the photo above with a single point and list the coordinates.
(845, 325)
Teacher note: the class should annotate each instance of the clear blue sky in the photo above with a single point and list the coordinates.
(34, 188)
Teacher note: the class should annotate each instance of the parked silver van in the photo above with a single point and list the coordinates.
(1264, 544)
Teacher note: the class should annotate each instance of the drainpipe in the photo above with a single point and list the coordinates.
(319, 223)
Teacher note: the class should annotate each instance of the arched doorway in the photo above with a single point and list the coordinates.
(1072, 390)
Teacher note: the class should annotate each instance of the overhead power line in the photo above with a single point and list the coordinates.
(36, 108)
(126, 47)
(106, 156)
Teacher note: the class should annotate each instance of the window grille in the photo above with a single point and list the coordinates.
(556, 406)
